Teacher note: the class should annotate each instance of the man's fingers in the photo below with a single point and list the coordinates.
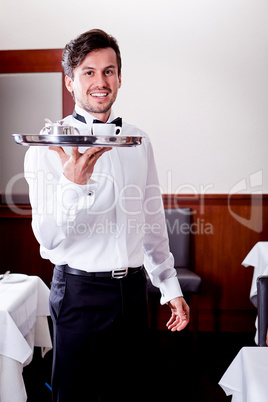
(79, 167)
(95, 151)
(101, 152)
(97, 155)
(75, 154)
(93, 154)
(177, 323)
(171, 321)
(92, 151)
(59, 150)
(180, 314)
(174, 321)
(181, 325)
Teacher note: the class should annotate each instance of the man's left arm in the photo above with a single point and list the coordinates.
(159, 262)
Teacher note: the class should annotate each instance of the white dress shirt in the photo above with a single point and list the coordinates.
(114, 221)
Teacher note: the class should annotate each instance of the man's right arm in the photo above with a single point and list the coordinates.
(55, 199)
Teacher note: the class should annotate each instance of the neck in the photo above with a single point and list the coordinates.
(100, 116)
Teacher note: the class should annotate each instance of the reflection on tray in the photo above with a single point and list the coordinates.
(76, 140)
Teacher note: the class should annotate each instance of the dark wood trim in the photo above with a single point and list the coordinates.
(170, 201)
(15, 211)
(177, 200)
(30, 61)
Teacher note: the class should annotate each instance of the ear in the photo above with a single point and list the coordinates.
(120, 80)
(69, 84)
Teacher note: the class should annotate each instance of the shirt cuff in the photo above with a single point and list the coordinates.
(170, 289)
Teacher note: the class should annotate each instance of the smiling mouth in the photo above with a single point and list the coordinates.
(99, 95)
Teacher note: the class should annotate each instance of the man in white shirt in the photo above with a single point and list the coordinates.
(98, 216)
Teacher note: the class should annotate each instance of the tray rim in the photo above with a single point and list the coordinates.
(73, 140)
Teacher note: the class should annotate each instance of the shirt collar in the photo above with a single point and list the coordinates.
(89, 118)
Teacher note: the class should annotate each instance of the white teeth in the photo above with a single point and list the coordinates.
(99, 95)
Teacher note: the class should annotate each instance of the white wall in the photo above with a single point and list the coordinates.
(195, 77)
(24, 114)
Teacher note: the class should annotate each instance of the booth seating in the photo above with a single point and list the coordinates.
(179, 231)
(262, 294)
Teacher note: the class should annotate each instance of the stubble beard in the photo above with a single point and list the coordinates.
(96, 109)
(88, 107)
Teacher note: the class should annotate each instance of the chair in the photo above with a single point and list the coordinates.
(262, 297)
(179, 232)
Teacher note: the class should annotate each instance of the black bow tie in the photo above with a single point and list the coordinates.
(79, 117)
(117, 121)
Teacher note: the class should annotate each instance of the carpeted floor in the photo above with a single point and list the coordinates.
(179, 368)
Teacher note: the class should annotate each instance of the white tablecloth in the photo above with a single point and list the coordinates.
(246, 377)
(257, 258)
(23, 324)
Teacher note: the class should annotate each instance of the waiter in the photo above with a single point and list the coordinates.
(99, 218)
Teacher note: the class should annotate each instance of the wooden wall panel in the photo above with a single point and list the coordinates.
(219, 245)
(19, 250)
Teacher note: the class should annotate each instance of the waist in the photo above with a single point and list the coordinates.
(114, 274)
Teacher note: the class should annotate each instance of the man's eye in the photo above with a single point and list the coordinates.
(89, 72)
(108, 72)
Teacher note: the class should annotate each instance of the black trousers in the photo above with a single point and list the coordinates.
(100, 327)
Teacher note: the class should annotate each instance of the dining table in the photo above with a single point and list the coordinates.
(246, 377)
(24, 309)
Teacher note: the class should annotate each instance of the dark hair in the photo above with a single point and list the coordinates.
(76, 51)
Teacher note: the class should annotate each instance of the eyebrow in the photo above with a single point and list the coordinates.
(93, 68)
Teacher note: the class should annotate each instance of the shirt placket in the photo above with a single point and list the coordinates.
(121, 219)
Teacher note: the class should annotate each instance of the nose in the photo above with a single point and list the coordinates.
(100, 80)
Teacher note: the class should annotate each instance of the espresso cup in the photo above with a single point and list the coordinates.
(107, 130)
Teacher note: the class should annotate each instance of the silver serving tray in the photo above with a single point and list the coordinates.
(77, 140)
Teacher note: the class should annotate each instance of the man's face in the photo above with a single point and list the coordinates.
(96, 83)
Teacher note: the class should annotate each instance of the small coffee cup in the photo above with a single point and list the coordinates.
(107, 130)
